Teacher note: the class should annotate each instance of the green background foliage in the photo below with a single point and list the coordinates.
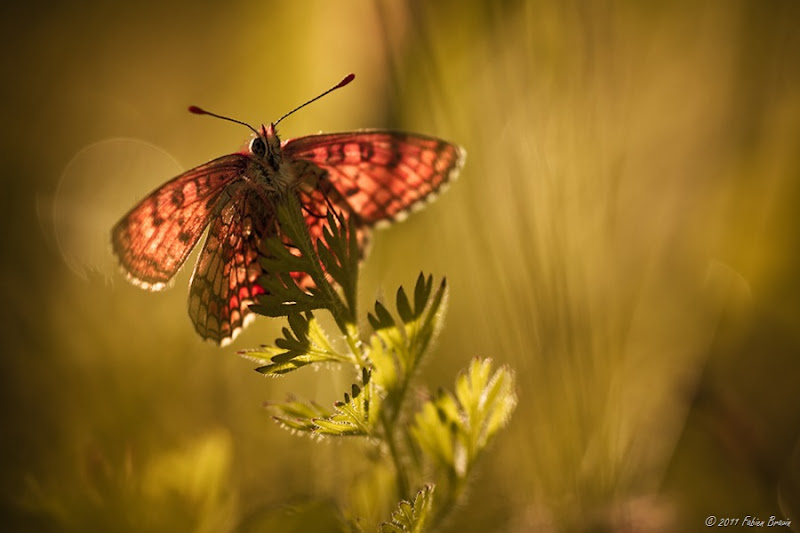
(624, 235)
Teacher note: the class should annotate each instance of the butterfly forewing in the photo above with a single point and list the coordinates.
(381, 174)
(154, 239)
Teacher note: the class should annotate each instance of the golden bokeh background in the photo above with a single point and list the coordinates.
(624, 235)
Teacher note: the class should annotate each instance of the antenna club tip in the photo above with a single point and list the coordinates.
(197, 110)
(347, 79)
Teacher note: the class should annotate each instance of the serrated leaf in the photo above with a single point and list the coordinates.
(357, 415)
(410, 338)
(500, 394)
(299, 324)
(298, 409)
(303, 345)
(340, 254)
(411, 517)
(398, 346)
(297, 415)
(424, 329)
(453, 429)
(403, 307)
(433, 436)
(284, 367)
(422, 291)
(487, 399)
(284, 297)
(330, 262)
(382, 317)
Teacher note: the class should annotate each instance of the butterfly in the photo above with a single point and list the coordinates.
(373, 177)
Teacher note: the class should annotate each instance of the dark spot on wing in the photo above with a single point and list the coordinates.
(177, 198)
(367, 151)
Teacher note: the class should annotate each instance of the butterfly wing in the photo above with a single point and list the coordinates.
(154, 238)
(225, 278)
(381, 175)
(317, 196)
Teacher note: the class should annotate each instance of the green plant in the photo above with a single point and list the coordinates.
(435, 444)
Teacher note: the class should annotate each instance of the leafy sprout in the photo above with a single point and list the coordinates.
(445, 436)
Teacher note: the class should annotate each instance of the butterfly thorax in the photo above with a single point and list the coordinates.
(268, 169)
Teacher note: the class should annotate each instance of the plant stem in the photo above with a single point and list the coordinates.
(455, 490)
(399, 467)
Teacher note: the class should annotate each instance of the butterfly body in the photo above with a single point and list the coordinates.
(372, 176)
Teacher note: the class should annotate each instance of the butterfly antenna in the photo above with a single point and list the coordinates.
(347, 79)
(200, 111)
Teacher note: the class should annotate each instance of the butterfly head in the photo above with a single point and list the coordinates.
(266, 146)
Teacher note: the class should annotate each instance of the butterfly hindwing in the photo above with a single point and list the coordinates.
(225, 279)
(154, 238)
